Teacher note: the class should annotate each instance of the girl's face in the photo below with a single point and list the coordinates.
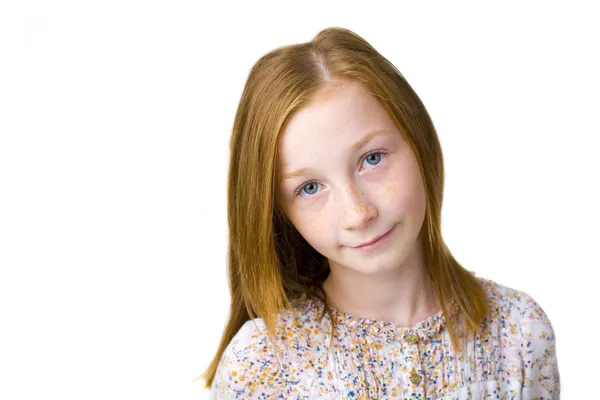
(349, 177)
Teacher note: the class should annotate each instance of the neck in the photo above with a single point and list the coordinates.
(404, 295)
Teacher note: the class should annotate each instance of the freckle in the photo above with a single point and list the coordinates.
(394, 188)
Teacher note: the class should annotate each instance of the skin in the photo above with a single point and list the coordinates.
(349, 198)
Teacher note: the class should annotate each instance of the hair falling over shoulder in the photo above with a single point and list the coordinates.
(269, 263)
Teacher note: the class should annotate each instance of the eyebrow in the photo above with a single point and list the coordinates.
(355, 146)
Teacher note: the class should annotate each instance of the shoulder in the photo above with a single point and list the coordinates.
(256, 365)
(527, 339)
(510, 304)
(248, 363)
(523, 326)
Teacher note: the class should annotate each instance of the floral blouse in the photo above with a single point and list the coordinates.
(513, 356)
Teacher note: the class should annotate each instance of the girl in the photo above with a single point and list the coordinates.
(341, 284)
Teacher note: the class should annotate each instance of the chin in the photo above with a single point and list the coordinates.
(375, 266)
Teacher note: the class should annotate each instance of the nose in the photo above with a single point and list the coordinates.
(357, 210)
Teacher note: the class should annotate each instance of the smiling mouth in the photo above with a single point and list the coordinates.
(374, 240)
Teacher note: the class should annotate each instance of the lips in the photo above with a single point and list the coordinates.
(373, 241)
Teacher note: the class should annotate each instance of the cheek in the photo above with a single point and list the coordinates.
(405, 192)
(312, 227)
(395, 191)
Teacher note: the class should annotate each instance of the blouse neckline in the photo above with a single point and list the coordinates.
(384, 330)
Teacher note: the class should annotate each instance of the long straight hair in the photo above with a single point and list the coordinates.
(269, 263)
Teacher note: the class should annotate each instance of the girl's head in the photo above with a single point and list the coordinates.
(302, 110)
(304, 106)
(347, 175)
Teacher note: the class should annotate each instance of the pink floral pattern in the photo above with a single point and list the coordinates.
(513, 356)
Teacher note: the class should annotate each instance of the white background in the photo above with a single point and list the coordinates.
(115, 119)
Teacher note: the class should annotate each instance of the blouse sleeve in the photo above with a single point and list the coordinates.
(249, 366)
(541, 378)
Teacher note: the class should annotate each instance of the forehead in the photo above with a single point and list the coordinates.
(336, 117)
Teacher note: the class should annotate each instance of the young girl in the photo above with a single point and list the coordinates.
(341, 284)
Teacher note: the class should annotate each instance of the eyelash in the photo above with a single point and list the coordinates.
(382, 152)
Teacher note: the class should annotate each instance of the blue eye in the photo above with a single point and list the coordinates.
(372, 158)
(376, 156)
(308, 185)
